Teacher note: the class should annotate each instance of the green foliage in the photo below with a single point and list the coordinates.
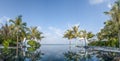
(38, 45)
(90, 35)
(69, 34)
(17, 30)
(111, 31)
(76, 33)
(34, 33)
(31, 49)
(33, 44)
(5, 44)
(5, 51)
(110, 43)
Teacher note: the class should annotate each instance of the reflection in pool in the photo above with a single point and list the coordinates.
(57, 53)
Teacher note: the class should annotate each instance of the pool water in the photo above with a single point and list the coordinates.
(57, 53)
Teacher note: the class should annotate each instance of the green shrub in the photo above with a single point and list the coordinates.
(34, 44)
(5, 51)
(5, 44)
(37, 45)
(31, 49)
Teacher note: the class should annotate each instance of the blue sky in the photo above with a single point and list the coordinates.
(53, 17)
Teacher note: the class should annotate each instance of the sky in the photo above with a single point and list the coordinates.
(54, 17)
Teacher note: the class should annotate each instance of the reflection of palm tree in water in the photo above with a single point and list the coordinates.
(32, 55)
(108, 56)
(71, 56)
(7, 54)
(77, 56)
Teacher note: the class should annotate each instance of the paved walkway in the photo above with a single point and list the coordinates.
(104, 49)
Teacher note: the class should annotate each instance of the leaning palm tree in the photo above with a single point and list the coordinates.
(115, 16)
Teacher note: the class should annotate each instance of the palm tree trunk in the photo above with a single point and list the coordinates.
(119, 37)
(17, 47)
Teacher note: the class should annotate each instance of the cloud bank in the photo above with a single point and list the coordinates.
(107, 2)
(96, 1)
(54, 35)
(4, 19)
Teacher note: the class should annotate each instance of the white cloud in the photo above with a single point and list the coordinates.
(54, 36)
(93, 2)
(96, 1)
(69, 26)
(56, 31)
(109, 5)
(39, 28)
(107, 2)
(4, 19)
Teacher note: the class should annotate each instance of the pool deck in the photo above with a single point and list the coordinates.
(116, 50)
(104, 49)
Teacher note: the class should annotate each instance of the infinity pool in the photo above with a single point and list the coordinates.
(57, 53)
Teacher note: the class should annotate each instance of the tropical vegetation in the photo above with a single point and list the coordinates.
(110, 34)
(13, 33)
(75, 33)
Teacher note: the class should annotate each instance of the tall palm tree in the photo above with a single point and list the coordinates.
(115, 16)
(19, 27)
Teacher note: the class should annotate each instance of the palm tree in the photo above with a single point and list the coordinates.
(5, 31)
(75, 31)
(115, 16)
(72, 33)
(83, 34)
(19, 27)
(35, 34)
(69, 34)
